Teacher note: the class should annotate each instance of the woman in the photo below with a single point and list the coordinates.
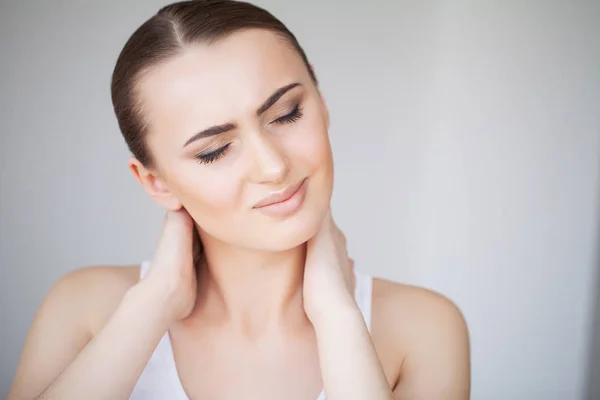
(250, 293)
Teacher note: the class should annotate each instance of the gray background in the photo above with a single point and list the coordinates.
(467, 141)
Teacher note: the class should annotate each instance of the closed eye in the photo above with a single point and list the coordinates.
(293, 116)
(212, 156)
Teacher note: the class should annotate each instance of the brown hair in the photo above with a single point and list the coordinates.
(166, 34)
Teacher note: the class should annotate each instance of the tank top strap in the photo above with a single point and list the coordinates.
(363, 294)
(144, 267)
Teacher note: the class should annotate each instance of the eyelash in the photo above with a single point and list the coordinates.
(293, 116)
(213, 156)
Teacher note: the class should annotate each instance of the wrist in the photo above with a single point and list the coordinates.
(153, 300)
(337, 319)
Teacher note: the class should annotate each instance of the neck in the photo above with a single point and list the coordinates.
(252, 289)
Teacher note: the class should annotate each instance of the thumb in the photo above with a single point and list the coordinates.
(323, 233)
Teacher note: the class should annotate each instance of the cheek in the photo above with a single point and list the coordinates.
(207, 195)
(312, 157)
(310, 149)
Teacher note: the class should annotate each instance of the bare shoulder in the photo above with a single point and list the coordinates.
(423, 337)
(400, 303)
(94, 292)
(103, 276)
(71, 314)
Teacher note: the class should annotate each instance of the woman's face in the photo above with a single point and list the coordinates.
(233, 127)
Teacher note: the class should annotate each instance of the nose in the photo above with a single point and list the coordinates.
(269, 161)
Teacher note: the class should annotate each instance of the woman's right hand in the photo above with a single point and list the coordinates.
(76, 359)
(172, 274)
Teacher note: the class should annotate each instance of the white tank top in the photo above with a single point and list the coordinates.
(160, 380)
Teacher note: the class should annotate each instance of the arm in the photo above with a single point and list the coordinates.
(60, 358)
(349, 364)
(110, 365)
(350, 368)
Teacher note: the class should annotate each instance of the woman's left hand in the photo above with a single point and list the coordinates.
(328, 275)
(350, 368)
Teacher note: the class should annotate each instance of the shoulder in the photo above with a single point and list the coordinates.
(91, 293)
(427, 335)
(72, 312)
(93, 277)
(423, 308)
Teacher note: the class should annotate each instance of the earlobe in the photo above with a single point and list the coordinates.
(159, 186)
(154, 186)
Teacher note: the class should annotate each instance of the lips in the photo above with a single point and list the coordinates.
(280, 195)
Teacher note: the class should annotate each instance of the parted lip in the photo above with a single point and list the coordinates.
(280, 195)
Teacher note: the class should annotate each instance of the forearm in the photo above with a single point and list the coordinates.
(350, 367)
(110, 365)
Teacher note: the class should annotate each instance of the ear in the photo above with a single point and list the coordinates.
(325, 110)
(154, 185)
(323, 102)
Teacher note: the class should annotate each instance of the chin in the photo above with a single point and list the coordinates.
(276, 234)
(295, 230)
(266, 234)
(287, 239)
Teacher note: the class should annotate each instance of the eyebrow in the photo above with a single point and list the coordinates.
(218, 129)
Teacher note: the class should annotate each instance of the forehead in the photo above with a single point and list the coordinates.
(213, 83)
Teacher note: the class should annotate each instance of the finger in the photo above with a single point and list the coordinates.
(176, 235)
(350, 273)
(350, 266)
(336, 230)
(328, 218)
(326, 224)
(324, 234)
(177, 224)
(342, 236)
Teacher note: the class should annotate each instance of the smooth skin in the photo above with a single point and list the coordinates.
(271, 315)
